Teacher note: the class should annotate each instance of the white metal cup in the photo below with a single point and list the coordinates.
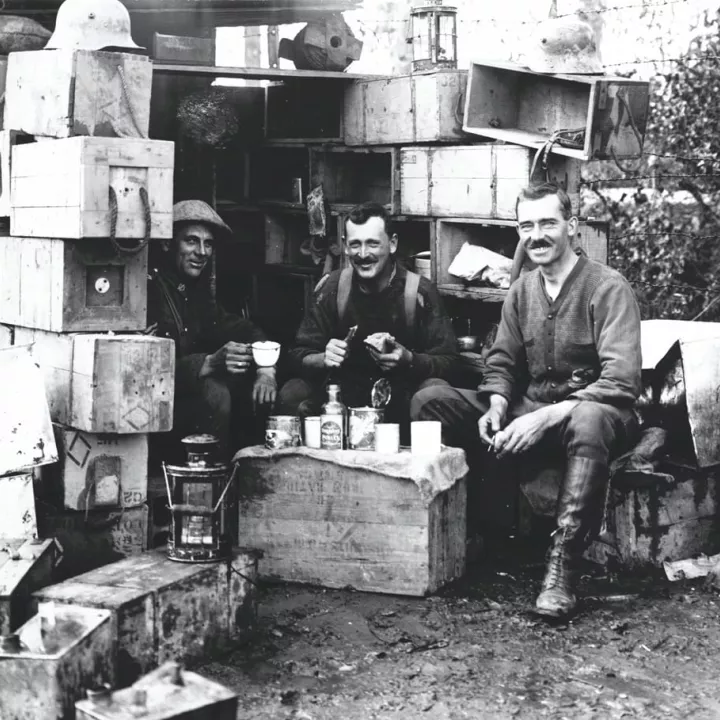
(425, 437)
(312, 431)
(387, 438)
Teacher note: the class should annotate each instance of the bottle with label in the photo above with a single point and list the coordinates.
(333, 423)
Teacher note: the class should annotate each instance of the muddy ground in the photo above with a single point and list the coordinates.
(640, 647)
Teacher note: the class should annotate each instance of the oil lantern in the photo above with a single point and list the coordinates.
(433, 34)
(196, 497)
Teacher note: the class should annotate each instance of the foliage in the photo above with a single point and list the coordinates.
(665, 231)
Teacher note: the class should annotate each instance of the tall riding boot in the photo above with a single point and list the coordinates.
(580, 506)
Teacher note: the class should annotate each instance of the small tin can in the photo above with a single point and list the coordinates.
(282, 431)
(331, 432)
(363, 420)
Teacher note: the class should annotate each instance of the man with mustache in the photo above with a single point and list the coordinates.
(215, 383)
(564, 371)
(378, 295)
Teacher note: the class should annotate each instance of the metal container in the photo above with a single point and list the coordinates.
(164, 694)
(51, 660)
(363, 420)
(282, 431)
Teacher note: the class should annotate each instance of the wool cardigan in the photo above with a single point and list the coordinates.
(584, 345)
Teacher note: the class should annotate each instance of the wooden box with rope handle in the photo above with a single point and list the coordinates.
(588, 117)
(480, 181)
(63, 92)
(82, 286)
(165, 610)
(418, 108)
(93, 187)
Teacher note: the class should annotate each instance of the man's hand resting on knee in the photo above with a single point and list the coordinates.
(527, 430)
(265, 387)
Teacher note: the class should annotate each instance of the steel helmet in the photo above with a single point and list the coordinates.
(92, 25)
(200, 212)
(565, 46)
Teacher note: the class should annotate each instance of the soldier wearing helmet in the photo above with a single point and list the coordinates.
(215, 382)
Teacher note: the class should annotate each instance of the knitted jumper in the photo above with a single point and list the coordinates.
(584, 345)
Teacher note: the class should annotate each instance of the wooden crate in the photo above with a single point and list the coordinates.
(25, 430)
(417, 108)
(98, 470)
(501, 237)
(17, 501)
(95, 538)
(8, 139)
(64, 92)
(474, 180)
(511, 103)
(304, 111)
(164, 610)
(25, 566)
(76, 286)
(3, 80)
(61, 189)
(288, 240)
(105, 383)
(350, 176)
(57, 665)
(189, 696)
(353, 518)
(278, 176)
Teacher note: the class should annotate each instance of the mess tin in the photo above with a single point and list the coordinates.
(282, 431)
(361, 434)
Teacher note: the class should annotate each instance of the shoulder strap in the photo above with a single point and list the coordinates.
(412, 283)
(343, 292)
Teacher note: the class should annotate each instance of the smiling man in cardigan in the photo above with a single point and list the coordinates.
(564, 370)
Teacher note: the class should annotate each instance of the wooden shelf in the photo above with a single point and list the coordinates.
(465, 292)
(254, 73)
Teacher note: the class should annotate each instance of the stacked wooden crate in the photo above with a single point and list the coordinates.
(453, 176)
(85, 191)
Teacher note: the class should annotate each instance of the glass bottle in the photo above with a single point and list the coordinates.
(333, 423)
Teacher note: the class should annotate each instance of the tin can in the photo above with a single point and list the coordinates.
(331, 432)
(282, 431)
(363, 420)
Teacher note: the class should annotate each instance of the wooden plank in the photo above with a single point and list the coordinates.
(447, 535)
(74, 176)
(464, 292)
(63, 92)
(513, 104)
(257, 73)
(24, 421)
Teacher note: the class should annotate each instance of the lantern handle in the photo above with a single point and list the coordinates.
(224, 492)
(172, 505)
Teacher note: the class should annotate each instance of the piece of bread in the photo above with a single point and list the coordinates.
(381, 342)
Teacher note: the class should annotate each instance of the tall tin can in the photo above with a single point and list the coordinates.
(361, 434)
(282, 431)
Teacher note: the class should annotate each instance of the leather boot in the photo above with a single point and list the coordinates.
(580, 507)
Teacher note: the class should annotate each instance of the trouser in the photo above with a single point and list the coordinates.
(305, 398)
(219, 406)
(592, 430)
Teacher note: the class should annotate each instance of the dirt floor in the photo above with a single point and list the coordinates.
(639, 648)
